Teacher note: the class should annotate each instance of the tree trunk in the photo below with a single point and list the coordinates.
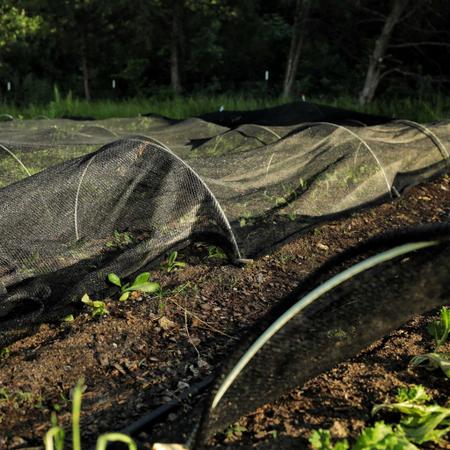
(85, 68)
(175, 78)
(373, 75)
(302, 9)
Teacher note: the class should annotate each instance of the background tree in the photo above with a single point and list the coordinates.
(302, 9)
(161, 47)
(375, 67)
(15, 26)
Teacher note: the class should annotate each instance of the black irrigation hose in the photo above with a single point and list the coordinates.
(145, 422)
(151, 418)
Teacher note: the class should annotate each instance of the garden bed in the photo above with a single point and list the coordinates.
(148, 350)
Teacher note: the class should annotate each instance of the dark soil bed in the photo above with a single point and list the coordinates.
(147, 351)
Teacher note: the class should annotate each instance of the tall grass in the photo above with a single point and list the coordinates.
(181, 107)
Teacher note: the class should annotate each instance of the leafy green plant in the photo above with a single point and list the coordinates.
(4, 353)
(141, 284)
(381, 436)
(321, 440)
(120, 240)
(420, 422)
(433, 361)
(19, 399)
(246, 219)
(234, 431)
(54, 438)
(440, 329)
(98, 307)
(172, 264)
(215, 252)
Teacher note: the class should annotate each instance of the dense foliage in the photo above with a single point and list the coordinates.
(165, 46)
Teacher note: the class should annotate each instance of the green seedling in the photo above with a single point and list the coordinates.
(18, 399)
(234, 431)
(98, 308)
(4, 353)
(172, 264)
(440, 329)
(433, 361)
(141, 284)
(54, 438)
(420, 422)
(120, 240)
(246, 219)
(69, 318)
(215, 252)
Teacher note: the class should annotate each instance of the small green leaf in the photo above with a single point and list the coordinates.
(69, 318)
(172, 257)
(114, 279)
(440, 329)
(149, 287)
(85, 299)
(98, 304)
(141, 278)
(124, 296)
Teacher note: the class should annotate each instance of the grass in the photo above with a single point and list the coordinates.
(174, 107)
(181, 107)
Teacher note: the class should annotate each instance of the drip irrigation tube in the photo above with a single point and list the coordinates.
(156, 415)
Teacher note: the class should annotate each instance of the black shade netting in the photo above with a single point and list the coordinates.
(80, 199)
(330, 318)
(110, 211)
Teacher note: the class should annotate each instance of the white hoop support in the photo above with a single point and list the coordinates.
(427, 132)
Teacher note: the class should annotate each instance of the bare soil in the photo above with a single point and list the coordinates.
(148, 350)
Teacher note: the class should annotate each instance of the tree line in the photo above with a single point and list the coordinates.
(125, 48)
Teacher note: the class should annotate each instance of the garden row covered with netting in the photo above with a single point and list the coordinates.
(82, 199)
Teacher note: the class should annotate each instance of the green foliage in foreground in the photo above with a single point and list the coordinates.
(419, 423)
(379, 437)
(54, 438)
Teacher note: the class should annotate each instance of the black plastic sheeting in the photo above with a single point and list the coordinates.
(291, 114)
